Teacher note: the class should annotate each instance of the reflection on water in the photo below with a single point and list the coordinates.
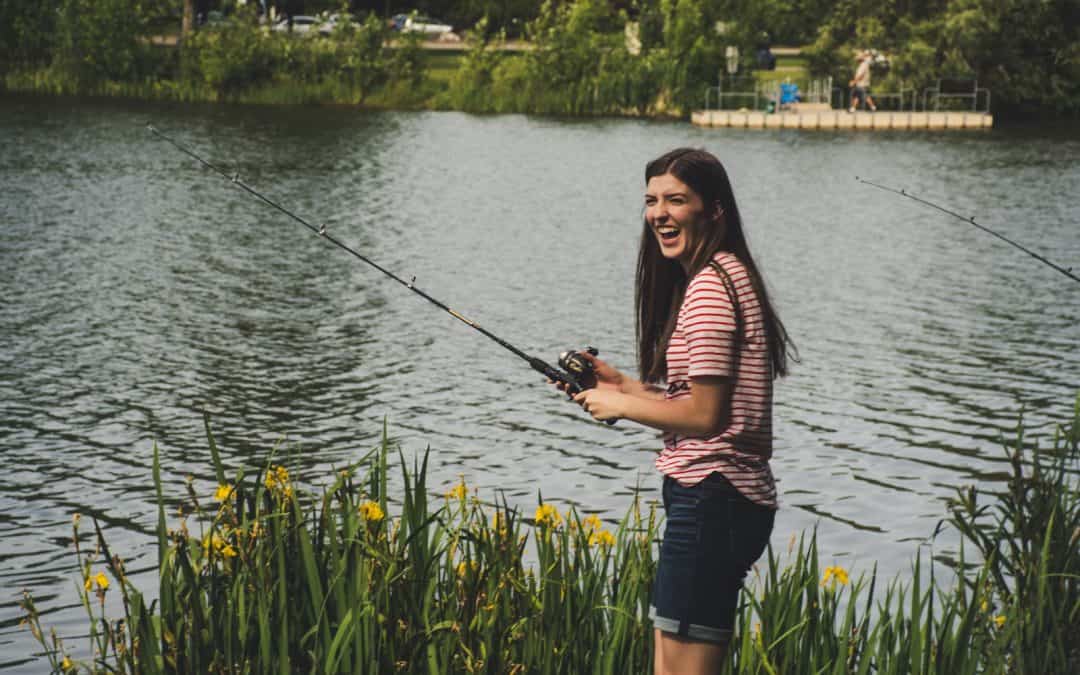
(140, 290)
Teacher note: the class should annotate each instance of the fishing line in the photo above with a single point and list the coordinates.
(579, 371)
(971, 221)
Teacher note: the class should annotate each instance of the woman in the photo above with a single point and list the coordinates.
(706, 329)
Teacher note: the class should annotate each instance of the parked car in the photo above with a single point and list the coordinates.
(418, 23)
(334, 20)
(301, 24)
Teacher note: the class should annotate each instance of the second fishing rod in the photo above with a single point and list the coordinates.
(577, 373)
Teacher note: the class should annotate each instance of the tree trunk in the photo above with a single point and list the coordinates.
(188, 23)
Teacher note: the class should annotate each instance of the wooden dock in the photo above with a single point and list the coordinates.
(841, 119)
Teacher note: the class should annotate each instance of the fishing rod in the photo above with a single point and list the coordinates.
(971, 220)
(578, 372)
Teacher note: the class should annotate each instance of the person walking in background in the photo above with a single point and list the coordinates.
(860, 84)
(710, 345)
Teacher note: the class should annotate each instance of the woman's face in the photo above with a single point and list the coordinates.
(676, 215)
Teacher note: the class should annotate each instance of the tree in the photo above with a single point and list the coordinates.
(188, 23)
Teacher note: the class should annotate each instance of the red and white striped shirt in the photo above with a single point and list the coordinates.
(703, 344)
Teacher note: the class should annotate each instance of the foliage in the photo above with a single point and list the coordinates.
(1025, 53)
(1030, 539)
(27, 32)
(269, 578)
(99, 40)
(580, 63)
(239, 57)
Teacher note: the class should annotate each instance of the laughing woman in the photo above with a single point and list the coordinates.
(706, 331)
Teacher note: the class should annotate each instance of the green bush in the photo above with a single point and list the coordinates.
(99, 40)
(260, 576)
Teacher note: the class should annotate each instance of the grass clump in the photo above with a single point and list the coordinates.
(267, 577)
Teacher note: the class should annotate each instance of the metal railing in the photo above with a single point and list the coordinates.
(752, 94)
(746, 93)
(723, 94)
(935, 96)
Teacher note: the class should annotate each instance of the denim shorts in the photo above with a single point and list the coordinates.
(712, 536)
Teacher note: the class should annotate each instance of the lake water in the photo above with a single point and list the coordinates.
(139, 290)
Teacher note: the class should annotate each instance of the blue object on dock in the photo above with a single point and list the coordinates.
(789, 93)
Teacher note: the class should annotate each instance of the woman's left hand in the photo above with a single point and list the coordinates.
(602, 404)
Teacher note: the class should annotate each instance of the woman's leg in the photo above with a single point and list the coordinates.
(712, 536)
(676, 655)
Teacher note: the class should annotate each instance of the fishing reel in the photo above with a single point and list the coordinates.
(580, 370)
(579, 373)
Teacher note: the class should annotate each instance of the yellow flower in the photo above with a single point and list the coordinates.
(224, 491)
(602, 538)
(592, 522)
(546, 514)
(100, 579)
(999, 620)
(220, 545)
(371, 511)
(836, 574)
(66, 664)
(463, 567)
(278, 476)
(984, 606)
(459, 491)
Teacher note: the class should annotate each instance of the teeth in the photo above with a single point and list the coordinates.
(667, 229)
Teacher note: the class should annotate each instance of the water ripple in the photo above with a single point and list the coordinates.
(142, 290)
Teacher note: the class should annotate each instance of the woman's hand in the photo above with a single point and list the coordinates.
(607, 376)
(603, 404)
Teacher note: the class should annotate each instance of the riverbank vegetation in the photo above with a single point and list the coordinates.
(582, 57)
(262, 575)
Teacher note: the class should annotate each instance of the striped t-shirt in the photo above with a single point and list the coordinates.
(703, 344)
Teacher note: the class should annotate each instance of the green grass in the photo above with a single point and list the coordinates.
(440, 66)
(262, 576)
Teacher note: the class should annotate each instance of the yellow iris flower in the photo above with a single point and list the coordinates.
(836, 574)
(100, 579)
(602, 538)
(546, 514)
(371, 511)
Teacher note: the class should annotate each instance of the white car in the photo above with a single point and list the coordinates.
(334, 20)
(301, 24)
(418, 23)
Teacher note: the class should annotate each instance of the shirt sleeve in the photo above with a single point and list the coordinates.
(708, 322)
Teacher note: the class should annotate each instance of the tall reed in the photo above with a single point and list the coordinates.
(264, 577)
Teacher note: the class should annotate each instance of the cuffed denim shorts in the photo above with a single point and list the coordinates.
(712, 536)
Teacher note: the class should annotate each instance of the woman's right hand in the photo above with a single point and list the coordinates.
(607, 376)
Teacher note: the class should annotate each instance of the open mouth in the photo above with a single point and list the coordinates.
(668, 232)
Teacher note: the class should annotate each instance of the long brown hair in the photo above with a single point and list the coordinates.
(661, 283)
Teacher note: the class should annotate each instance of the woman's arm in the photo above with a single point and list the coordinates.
(700, 414)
